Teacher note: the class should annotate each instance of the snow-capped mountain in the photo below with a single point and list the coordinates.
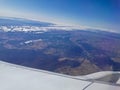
(19, 24)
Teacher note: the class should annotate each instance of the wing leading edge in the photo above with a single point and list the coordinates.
(15, 77)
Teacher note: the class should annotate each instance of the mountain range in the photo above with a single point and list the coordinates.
(59, 49)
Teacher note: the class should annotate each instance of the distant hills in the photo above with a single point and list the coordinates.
(21, 22)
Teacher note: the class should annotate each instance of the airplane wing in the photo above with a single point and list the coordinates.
(15, 77)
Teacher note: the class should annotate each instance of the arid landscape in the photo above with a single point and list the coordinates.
(74, 52)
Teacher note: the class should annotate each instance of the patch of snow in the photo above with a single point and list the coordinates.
(30, 41)
(36, 28)
(5, 28)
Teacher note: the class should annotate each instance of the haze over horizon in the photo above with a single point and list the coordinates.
(102, 14)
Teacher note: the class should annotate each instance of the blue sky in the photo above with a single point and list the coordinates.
(91, 13)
